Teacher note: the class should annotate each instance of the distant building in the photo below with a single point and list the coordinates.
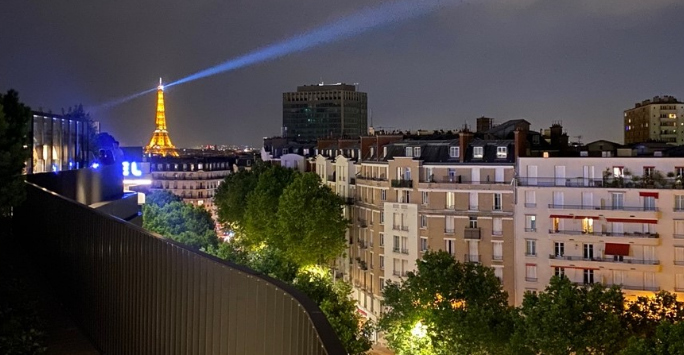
(59, 142)
(324, 111)
(655, 120)
(160, 143)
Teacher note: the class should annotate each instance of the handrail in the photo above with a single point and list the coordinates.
(132, 291)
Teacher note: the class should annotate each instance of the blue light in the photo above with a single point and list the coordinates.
(363, 21)
(131, 169)
(95, 165)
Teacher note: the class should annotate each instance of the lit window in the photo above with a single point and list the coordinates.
(501, 152)
(453, 152)
(478, 152)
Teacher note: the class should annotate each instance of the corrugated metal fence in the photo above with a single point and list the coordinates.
(133, 292)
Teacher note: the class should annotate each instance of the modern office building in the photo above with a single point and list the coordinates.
(324, 111)
(59, 142)
(613, 220)
(659, 119)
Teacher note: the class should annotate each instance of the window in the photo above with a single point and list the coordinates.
(559, 248)
(530, 247)
(679, 255)
(454, 152)
(474, 201)
(423, 221)
(395, 246)
(416, 152)
(588, 251)
(478, 152)
(648, 170)
(559, 271)
(425, 197)
(383, 195)
(382, 217)
(450, 245)
(382, 239)
(371, 260)
(497, 226)
(679, 202)
(498, 272)
(472, 222)
(530, 223)
(497, 202)
(530, 199)
(618, 200)
(588, 276)
(450, 200)
(679, 171)
(531, 272)
(382, 262)
(423, 244)
(497, 250)
(649, 203)
(409, 151)
(501, 152)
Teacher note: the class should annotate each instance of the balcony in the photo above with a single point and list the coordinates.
(404, 251)
(497, 233)
(396, 273)
(331, 178)
(396, 227)
(604, 259)
(396, 249)
(361, 222)
(113, 277)
(471, 258)
(349, 200)
(527, 229)
(678, 236)
(679, 262)
(605, 234)
(604, 208)
(497, 257)
(405, 228)
(362, 244)
(627, 182)
(471, 233)
(448, 231)
(401, 183)
(530, 279)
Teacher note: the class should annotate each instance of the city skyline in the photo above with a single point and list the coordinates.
(575, 62)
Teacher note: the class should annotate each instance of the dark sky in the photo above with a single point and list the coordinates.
(581, 62)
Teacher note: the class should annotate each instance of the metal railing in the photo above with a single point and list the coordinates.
(530, 229)
(404, 251)
(402, 183)
(531, 279)
(606, 234)
(461, 179)
(448, 231)
(604, 259)
(604, 208)
(133, 292)
(371, 178)
(404, 228)
(471, 233)
(623, 182)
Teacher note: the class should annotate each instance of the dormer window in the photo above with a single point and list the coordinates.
(478, 152)
(285, 151)
(454, 152)
(409, 151)
(501, 152)
(416, 152)
(306, 151)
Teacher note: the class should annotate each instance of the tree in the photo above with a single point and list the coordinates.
(311, 228)
(339, 309)
(667, 340)
(184, 223)
(15, 122)
(231, 197)
(446, 307)
(161, 198)
(645, 314)
(260, 223)
(566, 318)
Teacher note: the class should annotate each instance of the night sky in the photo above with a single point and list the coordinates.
(581, 62)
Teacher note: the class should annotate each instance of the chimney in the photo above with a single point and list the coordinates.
(464, 139)
(520, 139)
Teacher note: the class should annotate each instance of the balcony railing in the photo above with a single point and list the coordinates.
(497, 257)
(396, 227)
(605, 259)
(604, 208)
(471, 233)
(362, 222)
(396, 249)
(606, 234)
(448, 231)
(404, 251)
(679, 262)
(527, 229)
(460, 179)
(404, 228)
(471, 258)
(530, 279)
(371, 178)
(530, 205)
(402, 183)
(678, 236)
(497, 233)
(396, 273)
(131, 291)
(626, 182)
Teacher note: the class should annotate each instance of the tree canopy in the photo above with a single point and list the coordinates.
(182, 222)
(231, 197)
(446, 307)
(15, 122)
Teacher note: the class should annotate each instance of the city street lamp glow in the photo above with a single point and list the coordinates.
(419, 330)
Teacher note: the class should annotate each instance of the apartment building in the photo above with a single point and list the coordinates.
(194, 179)
(418, 195)
(658, 119)
(610, 220)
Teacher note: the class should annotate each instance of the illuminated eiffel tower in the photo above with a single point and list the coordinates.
(160, 144)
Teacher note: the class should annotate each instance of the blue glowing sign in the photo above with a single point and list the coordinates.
(131, 169)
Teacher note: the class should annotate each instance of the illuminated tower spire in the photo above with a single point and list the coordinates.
(160, 144)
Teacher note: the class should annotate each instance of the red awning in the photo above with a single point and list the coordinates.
(575, 267)
(589, 217)
(560, 216)
(648, 194)
(617, 249)
(530, 264)
(632, 220)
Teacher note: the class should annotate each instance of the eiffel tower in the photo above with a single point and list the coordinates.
(160, 144)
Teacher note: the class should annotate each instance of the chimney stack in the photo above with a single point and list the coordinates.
(464, 139)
